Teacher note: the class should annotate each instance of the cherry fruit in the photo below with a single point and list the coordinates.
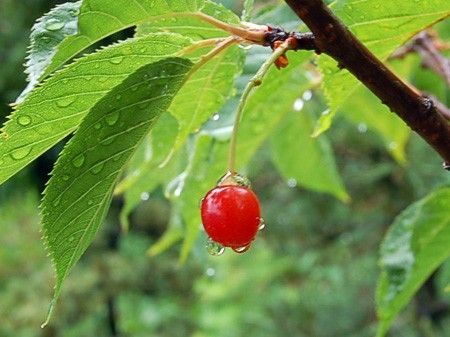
(231, 216)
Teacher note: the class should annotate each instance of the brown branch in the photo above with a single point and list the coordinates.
(335, 40)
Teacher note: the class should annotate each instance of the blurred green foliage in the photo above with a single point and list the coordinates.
(312, 271)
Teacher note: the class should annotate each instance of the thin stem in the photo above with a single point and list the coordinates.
(254, 82)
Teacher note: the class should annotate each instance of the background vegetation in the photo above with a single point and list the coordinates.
(312, 272)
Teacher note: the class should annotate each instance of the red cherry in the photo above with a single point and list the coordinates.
(231, 216)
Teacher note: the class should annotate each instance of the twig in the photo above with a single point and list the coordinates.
(428, 46)
(335, 40)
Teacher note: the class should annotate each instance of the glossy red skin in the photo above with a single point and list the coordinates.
(231, 215)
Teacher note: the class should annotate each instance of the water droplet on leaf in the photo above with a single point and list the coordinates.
(145, 196)
(112, 118)
(24, 120)
(54, 25)
(96, 169)
(65, 102)
(78, 161)
(116, 60)
(21, 152)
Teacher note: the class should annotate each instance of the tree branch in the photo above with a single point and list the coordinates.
(335, 40)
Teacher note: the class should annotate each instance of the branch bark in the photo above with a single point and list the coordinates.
(333, 38)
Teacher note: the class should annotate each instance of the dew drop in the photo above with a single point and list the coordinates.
(214, 248)
(362, 128)
(74, 12)
(112, 118)
(299, 104)
(307, 95)
(242, 249)
(292, 182)
(54, 25)
(210, 272)
(65, 102)
(145, 196)
(78, 161)
(116, 60)
(262, 224)
(216, 117)
(96, 169)
(24, 120)
(21, 152)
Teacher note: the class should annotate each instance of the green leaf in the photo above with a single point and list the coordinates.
(310, 161)
(45, 37)
(101, 18)
(144, 173)
(247, 13)
(416, 244)
(54, 110)
(80, 189)
(365, 109)
(211, 85)
(382, 27)
(191, 26)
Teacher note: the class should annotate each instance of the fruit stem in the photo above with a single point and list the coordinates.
(254, 82)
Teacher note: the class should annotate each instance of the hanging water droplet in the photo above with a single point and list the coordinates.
(65, 102)
(112, 118)
(216, 117)
(242, 249)
(24, 120)
(116, 60)
(262, 224)
(54, 25)
(78, 161)
(145, 196)
(96, 169)
(214, 248)
(21, 152)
